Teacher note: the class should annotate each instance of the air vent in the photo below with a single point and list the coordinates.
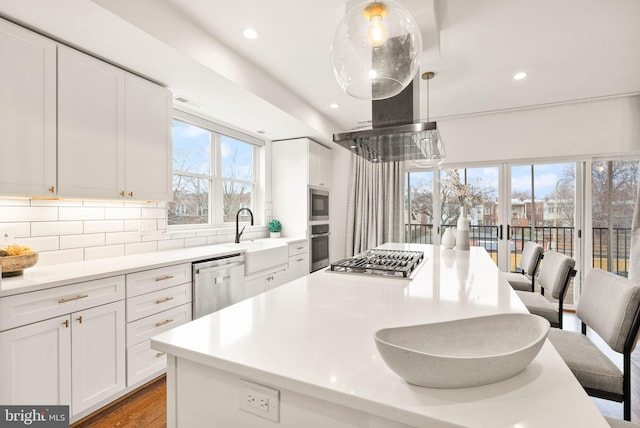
(186, 101)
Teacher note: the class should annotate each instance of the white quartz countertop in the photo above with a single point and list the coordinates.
(42, 277)
(315, 336)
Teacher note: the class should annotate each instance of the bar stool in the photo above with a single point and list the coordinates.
(529, 263)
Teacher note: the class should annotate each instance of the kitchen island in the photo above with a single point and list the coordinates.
(311, 344)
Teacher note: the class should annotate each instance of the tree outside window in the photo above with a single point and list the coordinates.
(208, 167)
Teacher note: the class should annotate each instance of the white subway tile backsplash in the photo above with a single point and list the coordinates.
(49, 228)
(20, 230)
(81, 241)
(142, 247)
(23, 202)
(46, 258)
(102, 226)
(65, 231)
(195, 242)
(122, 238)
(44, 243)
(153, 213)
(123, 213)
(56, 203)
(93, 253)
(170, 244)
(81, 213)
(28, 213)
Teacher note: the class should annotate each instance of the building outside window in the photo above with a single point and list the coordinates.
(214, 173)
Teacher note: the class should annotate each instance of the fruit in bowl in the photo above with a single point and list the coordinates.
(15, 258)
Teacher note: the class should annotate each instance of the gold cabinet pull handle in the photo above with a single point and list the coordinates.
(166, 299)
(66, 323)
(161, 323)
(131, 194)
(160, 354)
(52, 189)
(164, 278)
(299, 260)
(79, 319)
(71, 299)
(122, 193)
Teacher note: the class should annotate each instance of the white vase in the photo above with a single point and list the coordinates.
(462, 238)
(448, 238)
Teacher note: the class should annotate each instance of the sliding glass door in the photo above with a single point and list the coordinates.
(614, 186)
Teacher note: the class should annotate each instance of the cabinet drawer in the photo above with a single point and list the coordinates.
(157, 301)
(298, 248)
(155, 279)
(143, 362)
(21, 309)
(145, 328)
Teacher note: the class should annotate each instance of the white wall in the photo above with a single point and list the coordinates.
(69, 231)
(591, 128)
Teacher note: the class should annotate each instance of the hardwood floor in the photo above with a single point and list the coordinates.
(146, 407)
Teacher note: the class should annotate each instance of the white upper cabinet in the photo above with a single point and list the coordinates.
(114, 132)
(319, 165)
(148, 154)
(27, 112)
(90, 126)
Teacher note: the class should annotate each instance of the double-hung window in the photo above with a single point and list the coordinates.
(214, 172)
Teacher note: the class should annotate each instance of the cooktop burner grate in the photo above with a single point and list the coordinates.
(394, 263)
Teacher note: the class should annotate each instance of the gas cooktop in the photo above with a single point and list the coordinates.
(391, 263)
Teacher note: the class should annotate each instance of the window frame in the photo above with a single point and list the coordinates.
(215, 178)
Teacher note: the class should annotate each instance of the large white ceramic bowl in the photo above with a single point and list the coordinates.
(463, 353)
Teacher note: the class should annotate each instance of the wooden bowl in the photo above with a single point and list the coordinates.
(15, 265)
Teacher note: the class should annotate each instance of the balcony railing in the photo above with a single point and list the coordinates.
(610, 247)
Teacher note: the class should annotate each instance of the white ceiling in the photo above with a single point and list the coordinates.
(282, 84)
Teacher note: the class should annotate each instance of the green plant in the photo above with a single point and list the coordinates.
(275, 226)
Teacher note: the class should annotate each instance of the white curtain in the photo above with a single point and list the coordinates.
(634, 261)
(375, 211)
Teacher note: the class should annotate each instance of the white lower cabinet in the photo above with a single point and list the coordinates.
(298, 260)
(97, 355)
(76, 359)
(264, 281)
(157, 300)
(35, 363)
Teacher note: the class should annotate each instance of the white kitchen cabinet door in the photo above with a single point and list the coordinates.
(298, 266)
(98, 355)
(35, 363)
(90, 126)
(319, 165)
(27, 113)
(148, 164)
(276, 279)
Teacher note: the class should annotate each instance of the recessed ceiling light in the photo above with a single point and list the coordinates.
(250, 33)
(520, 75)
(334, 105)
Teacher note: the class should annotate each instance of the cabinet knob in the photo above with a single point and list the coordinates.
(52, 189)
(66, 323)
(79, 319)
(131, 194)
(122, 193)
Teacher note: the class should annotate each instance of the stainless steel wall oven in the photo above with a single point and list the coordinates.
(319, 246)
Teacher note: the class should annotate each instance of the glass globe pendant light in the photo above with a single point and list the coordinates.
(376, 50)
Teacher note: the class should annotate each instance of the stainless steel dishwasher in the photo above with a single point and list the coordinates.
(217, 283)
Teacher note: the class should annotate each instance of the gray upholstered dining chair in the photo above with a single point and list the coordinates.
(529, 263)
(610, 306)
(554, 276)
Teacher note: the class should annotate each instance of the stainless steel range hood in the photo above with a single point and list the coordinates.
(396, 135)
